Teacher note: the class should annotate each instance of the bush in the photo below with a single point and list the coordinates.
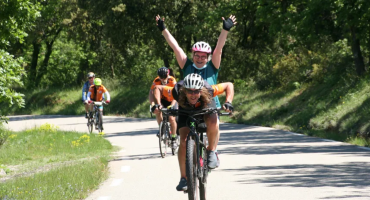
(4, 134)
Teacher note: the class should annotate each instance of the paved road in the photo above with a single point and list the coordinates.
(257, 163)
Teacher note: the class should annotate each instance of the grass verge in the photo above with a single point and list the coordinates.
(46, 163)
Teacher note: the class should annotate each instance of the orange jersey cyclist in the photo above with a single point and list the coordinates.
(194, 93)
(165, 79)
(96, 93)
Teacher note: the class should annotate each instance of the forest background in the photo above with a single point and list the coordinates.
(302, 58)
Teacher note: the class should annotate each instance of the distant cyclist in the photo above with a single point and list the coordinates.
(96, 93)
(201, 62)
(164, 78)
(85, 90)
(193, 93)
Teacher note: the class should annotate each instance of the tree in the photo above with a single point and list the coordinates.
(16, 18)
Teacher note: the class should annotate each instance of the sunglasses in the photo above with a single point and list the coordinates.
(91, 77)
(193, 91)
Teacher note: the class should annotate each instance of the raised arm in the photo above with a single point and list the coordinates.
(227, 25)
(179, 53)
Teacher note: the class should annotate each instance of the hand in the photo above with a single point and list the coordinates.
(155, 108)
(229, 23)
(90, 102)
(160, 23)
(228, 107)
(107, 101)
(86, 102)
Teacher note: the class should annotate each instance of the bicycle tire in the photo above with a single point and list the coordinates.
(191, 169)
(162, 139)
(90, 125)
(203, 180)
(100, 122)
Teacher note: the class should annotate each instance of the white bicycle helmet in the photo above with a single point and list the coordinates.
(202, 47)
(193, 81)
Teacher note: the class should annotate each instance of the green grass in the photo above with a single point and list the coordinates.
(336, 109)
(46, 163)
(73, 181)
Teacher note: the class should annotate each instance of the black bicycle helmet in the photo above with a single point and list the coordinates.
(163, 72)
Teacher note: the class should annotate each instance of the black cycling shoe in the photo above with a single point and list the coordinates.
(158, 134)
(86, 115)
(183, 185)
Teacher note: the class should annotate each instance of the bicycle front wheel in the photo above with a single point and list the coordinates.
(204, 168)
(163, 139)
(90, 124)
(191, 169)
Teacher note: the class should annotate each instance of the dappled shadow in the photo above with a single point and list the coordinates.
(139, 157)
(148, 131)
(309, 103)
(358, 116)
(280, 142)
(126, 120)
(350, 174)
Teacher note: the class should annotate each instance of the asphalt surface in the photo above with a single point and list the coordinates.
(257, 163)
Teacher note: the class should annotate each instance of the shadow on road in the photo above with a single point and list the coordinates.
(350, 175)
(140, 157)
(148, 131)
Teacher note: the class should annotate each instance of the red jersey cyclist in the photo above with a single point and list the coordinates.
(194, 93)
(96, 93)
(164, 78)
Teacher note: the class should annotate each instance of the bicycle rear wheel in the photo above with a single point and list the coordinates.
(163, 139)
(191, 169)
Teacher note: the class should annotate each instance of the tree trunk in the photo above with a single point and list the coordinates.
(357, 55)
(43, 69)
(35, 57)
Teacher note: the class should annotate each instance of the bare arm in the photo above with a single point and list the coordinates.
(229, 89)
(179, 53)
(216, 57)
(157, 93)
(151, 97)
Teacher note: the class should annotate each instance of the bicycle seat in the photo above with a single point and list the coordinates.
(202, 128)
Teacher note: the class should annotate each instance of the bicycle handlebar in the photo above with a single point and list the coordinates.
(99, 103)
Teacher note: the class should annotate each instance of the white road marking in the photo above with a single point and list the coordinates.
(104, 198)
(125, 168)
(116, 182)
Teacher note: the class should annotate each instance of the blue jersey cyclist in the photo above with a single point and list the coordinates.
(85, 90)
(202, 62)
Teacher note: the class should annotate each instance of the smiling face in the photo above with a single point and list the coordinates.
(192, 95)
(200, 59)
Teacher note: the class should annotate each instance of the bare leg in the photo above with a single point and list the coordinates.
(184, 131)
(212, 131)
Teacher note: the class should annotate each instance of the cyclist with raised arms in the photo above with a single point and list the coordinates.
(200, 62)
(191, 94)
(85, 90)
(96, 93)
(164, 78)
